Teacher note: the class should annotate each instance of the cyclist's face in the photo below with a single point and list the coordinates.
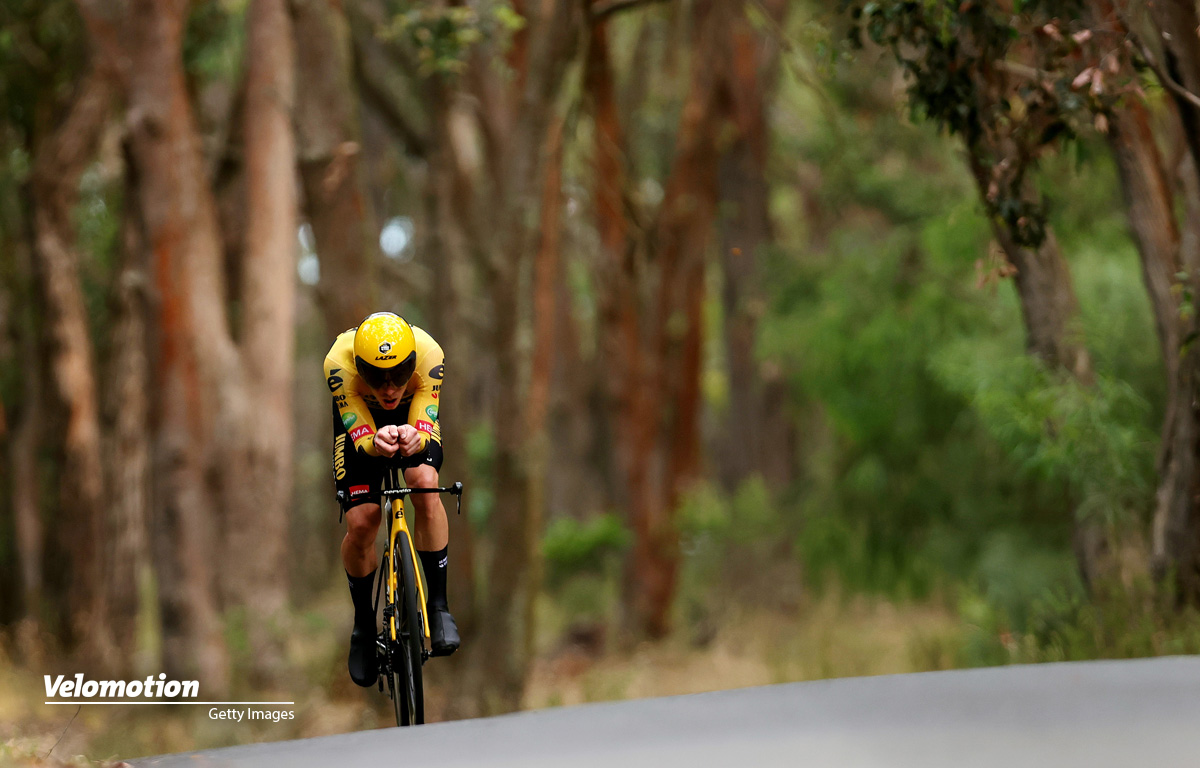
(389, 394)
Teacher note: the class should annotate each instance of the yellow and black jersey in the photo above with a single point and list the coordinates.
(358, 408)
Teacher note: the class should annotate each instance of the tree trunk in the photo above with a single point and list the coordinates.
(756, 436)
(1053, 335)
(1178, 22)
(195, 359)
(24, 448)
(127, 444)
(656, 353)
(629, 378)
(1151, 210)
(58, 164)
(515, 127)
(262, 432)
(545, 291)
(327, 135)
(680, 245)
(448, 249)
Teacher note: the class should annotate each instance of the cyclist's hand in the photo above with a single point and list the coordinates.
(410, 440)
(387, 440)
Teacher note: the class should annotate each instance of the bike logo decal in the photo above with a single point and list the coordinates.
(348, 420)
(431, 411)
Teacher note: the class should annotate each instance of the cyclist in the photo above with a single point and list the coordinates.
(386, 377)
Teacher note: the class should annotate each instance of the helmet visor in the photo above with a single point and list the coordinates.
(378, 378)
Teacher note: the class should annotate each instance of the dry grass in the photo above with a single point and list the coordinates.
(827, 638)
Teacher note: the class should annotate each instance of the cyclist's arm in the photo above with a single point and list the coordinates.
(352, 409)
(423, 413)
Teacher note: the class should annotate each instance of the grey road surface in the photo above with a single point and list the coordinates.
(1086, 714)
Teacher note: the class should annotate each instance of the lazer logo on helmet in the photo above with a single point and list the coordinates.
(361, 431)
(386, 357)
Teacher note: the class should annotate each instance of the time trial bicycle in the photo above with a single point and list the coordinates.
(403, 644)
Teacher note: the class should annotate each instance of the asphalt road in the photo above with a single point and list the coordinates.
(1086, 714)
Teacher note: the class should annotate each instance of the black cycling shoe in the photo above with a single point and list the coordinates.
(364, 665)
(443, 632)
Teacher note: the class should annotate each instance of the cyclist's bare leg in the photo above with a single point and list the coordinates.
(431, 535)
(431, 528)
(358, 546)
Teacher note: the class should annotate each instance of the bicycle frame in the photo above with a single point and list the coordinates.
(394, 507)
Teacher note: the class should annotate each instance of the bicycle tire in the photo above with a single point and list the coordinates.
(408, 698)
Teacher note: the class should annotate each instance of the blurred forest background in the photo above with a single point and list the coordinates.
(784, 340)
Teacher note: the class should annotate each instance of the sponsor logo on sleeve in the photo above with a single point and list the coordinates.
(359, 490)
(437, 371)
(334, 382)
(425, 426)
(361, 431)
(348, 420)
(339, 457)
(431, 411)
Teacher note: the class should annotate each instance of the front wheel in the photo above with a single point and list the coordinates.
(408, 696)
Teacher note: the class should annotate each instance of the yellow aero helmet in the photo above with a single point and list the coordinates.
(385, 350)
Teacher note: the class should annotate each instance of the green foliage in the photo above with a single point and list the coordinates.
(961, 61)
(443, 36)
(1062, 624)
(214, 40)
(734, 546)
(936, 452)
(481, 452)
(41, 51)
(1093, 439)
(571, 547)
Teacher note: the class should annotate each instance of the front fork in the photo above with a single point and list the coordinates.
(397, 523)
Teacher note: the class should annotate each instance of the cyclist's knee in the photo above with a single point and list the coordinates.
(362, 522)
(421, 476)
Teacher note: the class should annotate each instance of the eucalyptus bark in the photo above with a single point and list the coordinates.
(448, 248)
(1049, 307)
(127, 442)
(655, 352)
(516, 117)
(1150, 205)
(24, 448)
(262, 421)
(194, 356)
(330, 161)
(1178, 22)
(757, 436)
(58, 164)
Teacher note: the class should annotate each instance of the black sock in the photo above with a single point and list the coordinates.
(360, 594)
(434, 565)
